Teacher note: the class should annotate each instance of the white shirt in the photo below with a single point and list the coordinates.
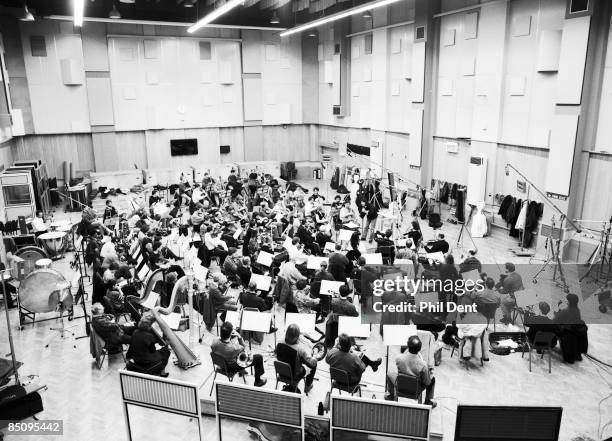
(108, 250)
(38, 225)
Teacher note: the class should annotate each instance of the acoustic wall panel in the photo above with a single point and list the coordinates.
(151, 49)
(284, 111)
(226, 72)
(468, 66)
(446, 87)
(328, 72)
(253, 110)
(271, 51)
(100, 99)
(418, 72)
(516, 85)
(561, 154)
(448, 37)
(572, 59)
(470, 25)
(396, 45)
(251, 51)
(521, 26)
(416, 137)
(367, 74)
(72, 72)
(549, 49)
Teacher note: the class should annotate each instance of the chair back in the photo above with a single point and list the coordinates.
(407, 386)
(286, 354)
(291, 308)
(386, 250)
(340, 379)
(315, 288)
(219, 364)
(543, 339)
(488, 309)
(284, 373)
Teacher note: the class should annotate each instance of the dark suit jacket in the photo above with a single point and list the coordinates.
(343, 307)
(252, 300)
(438, 246)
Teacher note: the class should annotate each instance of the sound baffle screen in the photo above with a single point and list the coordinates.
(390, 419)
(183, 147)
(497, 423)
(259, 404)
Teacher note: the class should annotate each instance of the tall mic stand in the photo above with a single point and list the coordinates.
(80, 254)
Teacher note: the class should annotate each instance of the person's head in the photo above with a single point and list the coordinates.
(449, 259)
(146, 321)
(323, 266)
(361, 261)
(97, 309)
(344, 342)
(226, 330)
(295, 241)
(315, 190)
(472, 252)
(337, 198)
(510, 268)
(346, 204)
(246, 261)
(344, 291)
(388, 233)
(441, 236)
(108, 203)
(414, 344)
(252, 285)
(490, 283)
(292, 335)
(572, 300)
(171, 277)
(544, 308)
(415, 225)
(338, 247)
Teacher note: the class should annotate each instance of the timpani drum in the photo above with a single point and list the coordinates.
(43, 264)
(54, 243)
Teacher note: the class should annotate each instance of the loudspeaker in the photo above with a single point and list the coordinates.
(21, 407)
(224, 149)
(23, 228)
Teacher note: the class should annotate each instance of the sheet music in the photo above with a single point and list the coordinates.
(143, 273)
(314, 262)
(397, 335)
(306, 322)
(373, 259)
(351, 224)
(237, 233)
(256, 321)
(345, 235)
(234, 318)
(330, 287)
(173, 320)
(151, 301)
(353, 327)
(330, 246)
(263, 282)
(288, 242)
(403, 262)
(436, 257)
(265, 258)
(199, 272)
(526, 297)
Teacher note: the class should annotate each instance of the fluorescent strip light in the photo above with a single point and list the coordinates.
(338, 16)
(79, 6)
(228, 6)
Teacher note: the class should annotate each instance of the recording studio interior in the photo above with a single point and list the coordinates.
(306, 220)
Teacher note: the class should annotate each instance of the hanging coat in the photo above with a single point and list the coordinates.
(522, 217)
(503, 207)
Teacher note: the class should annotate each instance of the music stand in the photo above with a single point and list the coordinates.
(353, 327)
(330, 287)
(306, 322)
(256, 321)
(314, 262)
(373, 258)
(263, 282)
(396, 335)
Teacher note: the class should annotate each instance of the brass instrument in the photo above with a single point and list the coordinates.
(319, 351)
(244, 359)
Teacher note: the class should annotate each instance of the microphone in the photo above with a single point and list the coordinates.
(507, 170)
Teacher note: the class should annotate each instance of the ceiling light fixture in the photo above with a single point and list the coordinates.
(189, 3)
(337, 16)
(114, 13)
(367, 15)
(26, 15)
(313, 34)
(274, 19)
(79, 7)
(228, 6)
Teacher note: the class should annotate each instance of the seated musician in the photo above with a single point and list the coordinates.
(289, 272)
(470, 263)
(385, 246)
(315, 196)
(113, 333)
(38, 224)
(306, 236)
(305, 358)
(415, 234)
(411, 363)
(342, 305)
(323, 236)
(229, 345)
(219, 301)
(342, 356)
(214, 245)
(438, 245)
(323, 274)
(230, 264)
(164, 288)
(540, 323)
(318, 216)
(302, 299)
(143, 347)
(109, 211)
(346, 213)
(251, 299)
